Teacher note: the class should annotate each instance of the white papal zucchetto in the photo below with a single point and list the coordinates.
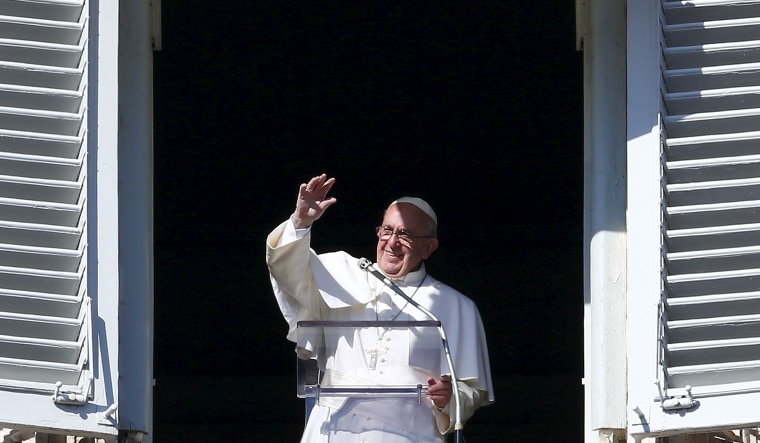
(420, 203)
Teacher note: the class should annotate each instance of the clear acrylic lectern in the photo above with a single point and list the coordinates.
(344, 359)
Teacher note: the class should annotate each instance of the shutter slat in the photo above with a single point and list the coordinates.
(44, 281)
(723, 77)
(718, 328)
(67, 260)
(705, 146)
(51, 168)
(35, 211)
(712, 169)
(694, 11)
(27, 188)
(32, 326)
(723, 374)
(712, 260)
(34, 120)
(51, 99)
(70, 10)
(41, 145)
(41, 234)
(38, 75)
(25, 348)
(718, 282)
(45, 306)
(712, 191)
(713, 305)
(713, 100)
(718, 122)
(718, 214)
(711, 237)
(729, 346)
(709, 55)
(21, 51)
(714, 31)
(40, 303)
(30, 371)
(40, 30)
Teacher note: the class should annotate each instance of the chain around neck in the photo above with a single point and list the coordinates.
(419, 285)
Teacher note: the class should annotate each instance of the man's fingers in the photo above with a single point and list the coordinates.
(319, 185)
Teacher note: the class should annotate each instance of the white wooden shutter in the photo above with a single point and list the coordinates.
(711, 147)
(708, 338)
(48, 367)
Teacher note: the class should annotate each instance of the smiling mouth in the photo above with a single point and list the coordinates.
(392, 254)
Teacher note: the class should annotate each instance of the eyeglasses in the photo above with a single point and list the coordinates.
(405, 237)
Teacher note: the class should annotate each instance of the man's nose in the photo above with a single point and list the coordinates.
(393, 240)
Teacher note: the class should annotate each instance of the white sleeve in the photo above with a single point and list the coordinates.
(471, 399)
(291, 234)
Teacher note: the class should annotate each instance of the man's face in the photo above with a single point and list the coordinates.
(395, 257)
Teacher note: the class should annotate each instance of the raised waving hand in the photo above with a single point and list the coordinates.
(312, 201)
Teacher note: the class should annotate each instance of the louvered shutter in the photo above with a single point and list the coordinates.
(707, 355)
(50, 376)
(711, 124)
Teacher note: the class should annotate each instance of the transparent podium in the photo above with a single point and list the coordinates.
(340, 360)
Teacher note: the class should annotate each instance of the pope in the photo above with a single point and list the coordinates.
(331, 286)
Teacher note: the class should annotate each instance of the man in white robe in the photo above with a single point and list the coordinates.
(332, 287)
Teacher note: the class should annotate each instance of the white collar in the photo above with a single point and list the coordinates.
(413, 277)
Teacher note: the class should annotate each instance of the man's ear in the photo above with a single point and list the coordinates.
(432, 245)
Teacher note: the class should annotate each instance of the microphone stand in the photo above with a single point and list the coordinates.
(366, 265)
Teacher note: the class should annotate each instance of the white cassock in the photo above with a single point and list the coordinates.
(332, 287)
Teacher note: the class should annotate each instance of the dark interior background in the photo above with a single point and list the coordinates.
(475, 106)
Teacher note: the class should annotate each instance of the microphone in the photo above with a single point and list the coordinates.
(366, 265)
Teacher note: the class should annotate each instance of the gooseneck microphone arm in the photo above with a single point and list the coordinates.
(367, 265)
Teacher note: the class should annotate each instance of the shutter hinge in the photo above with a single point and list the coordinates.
(68, 398)
(676, 402)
